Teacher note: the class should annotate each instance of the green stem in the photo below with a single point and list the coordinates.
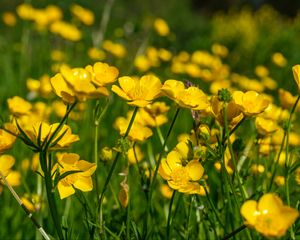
(29, 214)
(170, 216)
(236, 231)
(236, 172)
(50, 193)
(112, 170)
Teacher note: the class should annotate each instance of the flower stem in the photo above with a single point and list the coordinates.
(170, 216)
(50, 193)
(111, 172)
(29, 214)
(236, 231)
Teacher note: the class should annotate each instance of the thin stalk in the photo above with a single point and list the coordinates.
(29, 214)
(241, 187)
(112, 170)
(170, 216)
(161, 138)
(50, 193)
(98, 39)
(236, 231)
(188, 218)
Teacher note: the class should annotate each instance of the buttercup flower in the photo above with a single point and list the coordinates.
(279, 60)
(269, 216)
(265, 126)
(6, 163)
(81, 180)
(138, 92)
(180, 176)
(102, 73)
(251, 103)
(18, 106)
(161, 27)
(71, 84)
(7, 139)
(192, 97)
(84, 15)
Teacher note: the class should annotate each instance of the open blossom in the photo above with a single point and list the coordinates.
(251, 103)
(269, 216)
(180, 176)
(80, 179)
(265, 126)
(76, 84)
(192, 97)
(138, 92)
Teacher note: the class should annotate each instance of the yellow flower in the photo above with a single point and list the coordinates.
(279, 60)
(6, 163)
(81, 180)
(7, 139)
(71, 84)
(269, 216)
(138, 92)
(18, 106)
(261, 71)
(166, 191)
(9, 19)
(138, 132)
(63, 139)
(180, 176)
(296, 73)
(66, 30)
(251, 103)
(84, 15)
(135, 155)
(265, 126)
(142, 63)
(102, 73)
(161, 27)
(153, 115)
(115, 49)
(96, 54)
(106, 154)
(192, 97)
(14, 178)
(234, 114)
(219, 50)
(287, 100)
(257, 168)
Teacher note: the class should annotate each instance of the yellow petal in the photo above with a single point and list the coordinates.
(269, 203)
(195, 170)
(65, 190)
(249, 211)
(117, 90)
(174, 160)
(152, 85)
(84, 184)
(127, 83)
(6, 162)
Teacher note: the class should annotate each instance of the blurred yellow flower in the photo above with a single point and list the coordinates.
(18, 106)
(66, 30)
(265, 126)
(58, 56)
(269, 216)
(7, 139)
(261, 71)
(6, 163)
(153, 115)
(135, 155)
(84, 15)
(82, 180)
(138, 132)
(251, 103)
(161, 27)
(106, 154)
(219, 50)
(142, 63)
(287, 100)
(166, 191)
(96, 54)
(9, 19)
(279, 60)
(115, 49)
(296, 73)
(138, 92)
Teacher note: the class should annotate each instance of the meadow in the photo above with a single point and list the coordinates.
(128, 120)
